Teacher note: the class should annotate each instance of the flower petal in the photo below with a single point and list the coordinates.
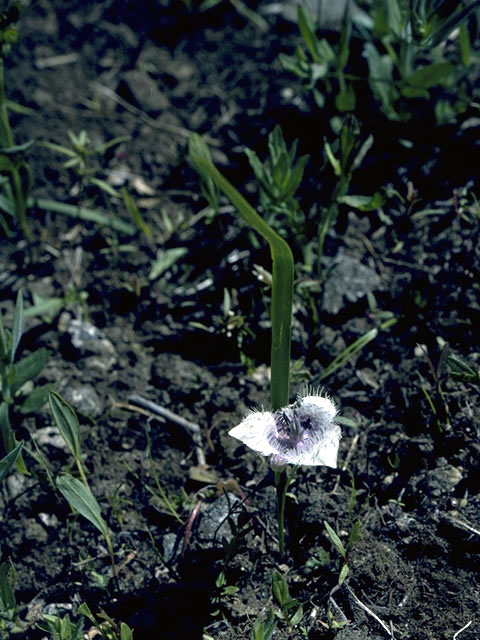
(254, 430)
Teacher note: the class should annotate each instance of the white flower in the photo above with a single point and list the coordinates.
(305, 432)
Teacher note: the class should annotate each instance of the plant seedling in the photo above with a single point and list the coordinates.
(264, 629)
(61, 628)
(13, 376)
(105, 625)
(81, 499)
(291, 611)
(67, 423)
(8, 604)
(279, 178)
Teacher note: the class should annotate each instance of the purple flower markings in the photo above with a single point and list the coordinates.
(305, 432)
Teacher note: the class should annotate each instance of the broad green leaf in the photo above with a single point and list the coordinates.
(343, 574)
(82, 500)
(431, 75)
(66, 421)
(380, 76)
(84, 610)
(297, 616)
(165, 259)
(9, 460)
(35, 400)
(280, 589)
(337, 543)
(27, 368)
(125, 632)
(345, 100)
(394, 17)
(7, 583)
(17, 328)
(363, 203)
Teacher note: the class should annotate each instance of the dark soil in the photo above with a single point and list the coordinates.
(409, 468)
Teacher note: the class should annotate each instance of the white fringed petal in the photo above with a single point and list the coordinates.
(313, 440)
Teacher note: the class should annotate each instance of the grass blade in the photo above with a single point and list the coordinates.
(282, 272)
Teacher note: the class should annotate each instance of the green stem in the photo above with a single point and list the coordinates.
(281, 483)
(81, 471)
(6, 140)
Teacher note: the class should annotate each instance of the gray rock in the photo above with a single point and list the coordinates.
(214, 524)
(349, 281)
(89, 342)
(84, 399)
(137, 87)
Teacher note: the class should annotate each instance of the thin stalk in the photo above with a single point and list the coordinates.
(81, 471)
(7, 140)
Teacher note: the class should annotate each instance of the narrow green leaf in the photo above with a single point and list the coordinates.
(84, 610)
(8, 438)
(82, 500)
(3, 342)
(165, 259)
(305, 24)
(451, 23)
(83, 213)
(464, 45)
(66, 421)
(282, 273)
(9, 460)
(337, 543)
(17, 327)
(134, 211)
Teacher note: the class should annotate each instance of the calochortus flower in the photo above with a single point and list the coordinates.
(305, 432)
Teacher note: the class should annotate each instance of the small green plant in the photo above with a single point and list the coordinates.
(290, 610)
(8, 461)
(67, 423)
(80, 156)
(16, 379)
(222, 592)
(403, 43)
(321, 67)
(264, 629)
(61, 627)
(105, 625)
(279, 178)
(82, 500)
(9, 622)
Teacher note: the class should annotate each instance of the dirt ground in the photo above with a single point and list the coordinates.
(408, 464)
